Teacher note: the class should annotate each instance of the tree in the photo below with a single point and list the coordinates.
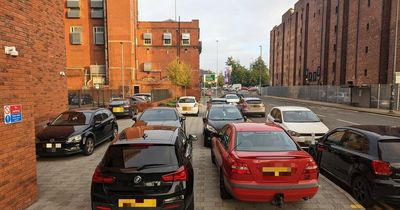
(258, 68)
(239, 73)
(221, 80)
(179, 73)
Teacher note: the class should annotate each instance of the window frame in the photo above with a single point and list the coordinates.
(164, 39)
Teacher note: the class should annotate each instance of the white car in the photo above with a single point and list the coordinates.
(232, 99)
(188, 105)
(301, 123)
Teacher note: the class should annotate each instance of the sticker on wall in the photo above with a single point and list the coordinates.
(12, 114)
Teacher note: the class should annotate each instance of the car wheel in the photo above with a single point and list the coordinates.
(361, 191)
(89, 146)
(222, 189)
(206, 144)
(115, 133)
(212, 156)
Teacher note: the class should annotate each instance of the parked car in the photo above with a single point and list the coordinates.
(214, 101)
(253, 106)
(146, 167)
(342, 98)
(367, 158)
(76, 131)
(188, 105)
(161, 116)
(217, 117)
(301, 123)
(259, 162)
(239, 95)
(123, 107)
(82, 99)
(145, 96)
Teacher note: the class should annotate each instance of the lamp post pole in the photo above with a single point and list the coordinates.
(394, 61)
(259, 90)
(216, 84)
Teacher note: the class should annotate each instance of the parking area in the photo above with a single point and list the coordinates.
(64, 182)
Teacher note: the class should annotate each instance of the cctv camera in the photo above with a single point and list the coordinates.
(62, 73)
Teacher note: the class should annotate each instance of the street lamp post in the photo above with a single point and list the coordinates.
(216, 84)
(259, 90)
(394, 61)
(122, 70)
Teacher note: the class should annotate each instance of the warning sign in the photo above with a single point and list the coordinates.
(12, 114)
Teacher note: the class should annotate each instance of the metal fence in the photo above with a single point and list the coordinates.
(160, 94)
(372, 96)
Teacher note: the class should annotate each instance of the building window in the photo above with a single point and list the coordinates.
(336, 9)
(98, 35)
(185, 38)
(369, 3)
(74, 13)
(148, 66)
(76, 35)
(147, 38)
(167, 39)
(366, 72)
(335, 28)
(366, 50)
(367, 26)
(334, 67)
(334, 47)
(96, 13)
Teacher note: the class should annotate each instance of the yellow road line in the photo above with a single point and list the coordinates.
(357, 206)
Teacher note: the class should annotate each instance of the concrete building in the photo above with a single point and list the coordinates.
(108, 46)
(334, 42)
(33, 79)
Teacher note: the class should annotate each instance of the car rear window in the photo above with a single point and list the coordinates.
(159, 115)
(187, 100)
(254, 101)
(264, 142)
(389, 151)
(137, 156)
(119, 102)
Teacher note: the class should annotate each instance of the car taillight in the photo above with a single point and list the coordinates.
(381, 168)
(311, 167)
(239, 168)
(98, 177)
(103, 208)
(179, 175)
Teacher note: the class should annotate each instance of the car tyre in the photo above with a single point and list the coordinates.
(361, 191)
(206, 144)
(191, 206)
(225, 195)
(88, 147)
(212, 156)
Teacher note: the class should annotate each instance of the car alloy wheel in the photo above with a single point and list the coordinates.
(361, 191)
(89, 146)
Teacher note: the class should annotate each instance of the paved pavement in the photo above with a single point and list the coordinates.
(64, 183)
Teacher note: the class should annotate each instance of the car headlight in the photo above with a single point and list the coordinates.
(211, 129)
(74, 139)
(293, 133)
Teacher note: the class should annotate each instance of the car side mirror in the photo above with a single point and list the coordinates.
(204, 120)
(277, 121)
(193, 138)
(183, 118)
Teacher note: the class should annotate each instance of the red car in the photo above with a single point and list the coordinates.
(262, 163)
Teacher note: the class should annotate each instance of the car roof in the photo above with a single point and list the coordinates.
(89, 109)
(147, 134)
(251, 99)
(224, 106)
(191, 97)
(218, 99)
(161, 108)
(292, 108)
(379, 131)
(254, 127)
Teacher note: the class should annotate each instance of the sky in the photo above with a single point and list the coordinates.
(240, 26)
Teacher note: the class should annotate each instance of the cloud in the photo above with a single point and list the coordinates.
(241, 26)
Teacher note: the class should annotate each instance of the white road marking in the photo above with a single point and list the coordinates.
(345, 121)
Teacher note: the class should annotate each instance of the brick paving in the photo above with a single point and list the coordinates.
(64, 183)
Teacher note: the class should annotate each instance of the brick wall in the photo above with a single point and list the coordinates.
(32, 79)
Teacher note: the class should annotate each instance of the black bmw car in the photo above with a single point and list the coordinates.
(77, 131)
(145, 167)
(217, 117)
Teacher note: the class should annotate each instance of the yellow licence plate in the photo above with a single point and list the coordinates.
(148, 203)
(118, 109)
(187, 108)
(276, 170)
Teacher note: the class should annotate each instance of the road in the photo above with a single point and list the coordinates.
(334, 118)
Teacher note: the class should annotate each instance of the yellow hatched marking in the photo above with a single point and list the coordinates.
(357, 206)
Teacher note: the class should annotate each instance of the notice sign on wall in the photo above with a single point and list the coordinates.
(12, 114)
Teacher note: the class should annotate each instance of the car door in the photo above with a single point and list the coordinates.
(327, 150)
(217, 144)
(350, 151)
(223, 149)
(271, 116)
(98, 128)
(108, 121)
(187, 145)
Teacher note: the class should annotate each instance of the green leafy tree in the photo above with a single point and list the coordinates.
(179, 73)
(258, 68)
(221, 80)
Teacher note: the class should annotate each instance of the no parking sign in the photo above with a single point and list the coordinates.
(12, 114)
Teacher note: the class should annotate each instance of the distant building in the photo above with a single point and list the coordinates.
(334, 42)
(103, 36)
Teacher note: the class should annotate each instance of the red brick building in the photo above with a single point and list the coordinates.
(31, 79)
(334, 42)
(109, 49)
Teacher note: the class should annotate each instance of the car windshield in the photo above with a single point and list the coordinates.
(264, 142)
(138, 156)
(218, 102)
(389, 151)
(224, 113)
(119, 102)
(187, 101)
(232, 97)
(300, 116)
(159, 115)
(254, 101)
(72, 118)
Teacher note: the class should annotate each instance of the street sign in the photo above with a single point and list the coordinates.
(12, 114)
(209, 78)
